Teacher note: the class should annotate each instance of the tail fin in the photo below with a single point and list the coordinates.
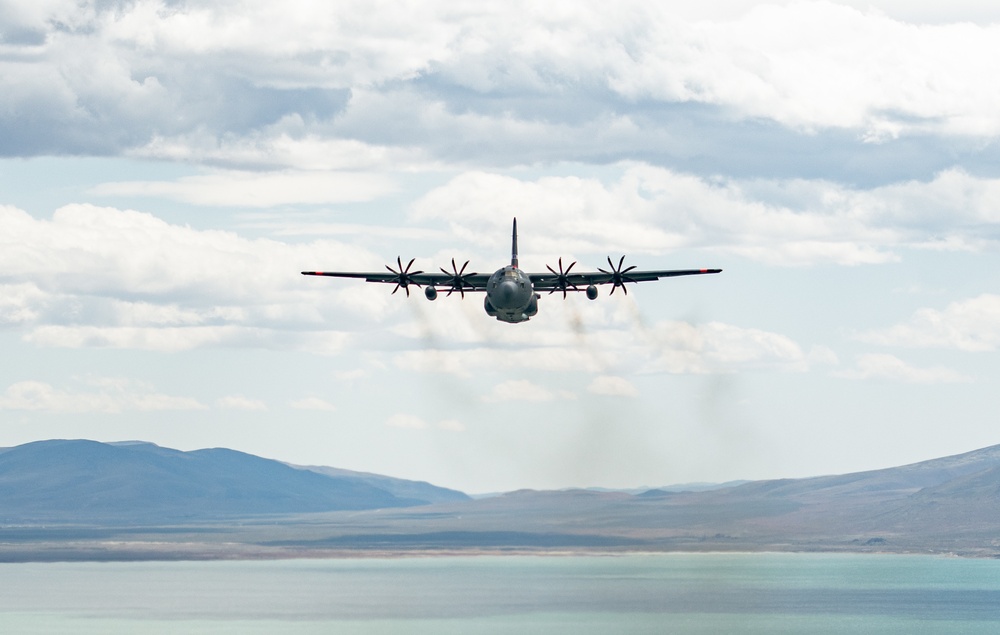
(513, 248)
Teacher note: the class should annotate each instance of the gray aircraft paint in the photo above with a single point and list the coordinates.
(511, 294)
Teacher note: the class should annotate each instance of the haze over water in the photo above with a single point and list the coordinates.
(685, 593)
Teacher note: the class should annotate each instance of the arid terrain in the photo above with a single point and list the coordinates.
(139, 501)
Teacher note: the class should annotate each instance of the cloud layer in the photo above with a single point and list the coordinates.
(783, 222)
(971, 325)
(108, 277)
(104, 395)
(219, 81)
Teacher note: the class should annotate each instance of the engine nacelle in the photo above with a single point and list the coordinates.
(591, 292)
(430, 293)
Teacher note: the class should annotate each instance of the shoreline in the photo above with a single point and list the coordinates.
(234, 553)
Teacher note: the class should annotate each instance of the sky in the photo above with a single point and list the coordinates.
(168, 167)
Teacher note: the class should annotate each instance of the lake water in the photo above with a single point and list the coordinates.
(675, 593)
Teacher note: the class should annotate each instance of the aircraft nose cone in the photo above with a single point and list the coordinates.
(506, 294)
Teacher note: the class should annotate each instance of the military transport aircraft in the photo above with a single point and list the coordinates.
(510, 292)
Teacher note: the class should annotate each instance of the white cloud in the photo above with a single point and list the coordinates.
(352, 375)
(107, 277)
(613, 387)
(820, 64)
(679, 347)
(413, 422)
(286, 143)
(89, 249)
(463, 362)
(459, 341)
(256, 189)
(822, 355)
(968, 325)
(170, 339)
(406, 421)
(112, 395)
(240, 402)
(451, 425)
(782, 222)
(881, 366)
(665, 347)
(157, 78)
(313, 403)
(519, 390)
(558, 213)
(904, 10)
(20, 303)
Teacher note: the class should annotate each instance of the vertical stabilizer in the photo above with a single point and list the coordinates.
(513, 248)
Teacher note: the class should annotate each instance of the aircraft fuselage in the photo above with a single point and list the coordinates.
(510, 296)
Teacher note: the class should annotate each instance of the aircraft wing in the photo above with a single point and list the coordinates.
(565, 281)
(473, 282)
(546, 281)
(458, 281)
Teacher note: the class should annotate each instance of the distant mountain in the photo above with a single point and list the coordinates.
(417, 490)
(878, 484)
(949, 505)
(87, 481)
(135, 495)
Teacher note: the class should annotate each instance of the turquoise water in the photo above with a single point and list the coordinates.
(676, 593)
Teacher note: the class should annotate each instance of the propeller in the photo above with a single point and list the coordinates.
(562, 279)
(404, 277)
(618, 277)
(458, 280)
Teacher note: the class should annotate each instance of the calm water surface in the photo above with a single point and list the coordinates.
(676, 593)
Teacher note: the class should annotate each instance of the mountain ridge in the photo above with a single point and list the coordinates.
(944, 505)
(96, 481)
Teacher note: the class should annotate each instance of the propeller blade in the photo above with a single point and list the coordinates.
(617, 274)
(403, 275)
(458, 280)
(562, 282)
